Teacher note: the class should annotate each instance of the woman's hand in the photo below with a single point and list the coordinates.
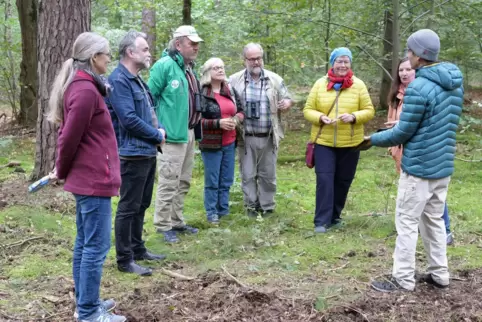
(390, 124)
(326, 120)
(53, 174)
(347, 118)
(227, 124)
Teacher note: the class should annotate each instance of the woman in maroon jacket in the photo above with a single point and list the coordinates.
(88, 161)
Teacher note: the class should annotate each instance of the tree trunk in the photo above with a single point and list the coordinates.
(9, 72)
(386, 61)
(327, 35)
(60, 22)
(27, 15)
(395, 38)
(186, 12)
(149, 28)
(431, 18)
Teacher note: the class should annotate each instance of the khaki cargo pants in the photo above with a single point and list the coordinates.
(420, 205)
(175, 166)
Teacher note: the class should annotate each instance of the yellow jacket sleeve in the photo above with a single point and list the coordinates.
(365, 111)
(310, 111)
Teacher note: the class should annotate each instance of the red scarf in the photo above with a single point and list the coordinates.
(345, 81)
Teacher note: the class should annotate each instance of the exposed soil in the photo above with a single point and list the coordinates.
(214, 297)
(14, 192)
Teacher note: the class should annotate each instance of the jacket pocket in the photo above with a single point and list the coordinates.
(108, 168)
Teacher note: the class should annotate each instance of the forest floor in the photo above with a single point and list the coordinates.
(272, 269)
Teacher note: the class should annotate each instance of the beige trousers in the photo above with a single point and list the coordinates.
(175, 166)
(257, 164)
(420, 205)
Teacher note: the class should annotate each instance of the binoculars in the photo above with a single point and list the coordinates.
(252, 110)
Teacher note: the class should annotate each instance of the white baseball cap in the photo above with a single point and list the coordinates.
(187, 31)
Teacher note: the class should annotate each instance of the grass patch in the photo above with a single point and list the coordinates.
(281, 250)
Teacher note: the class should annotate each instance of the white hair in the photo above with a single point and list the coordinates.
(205, 70)
(251, 45)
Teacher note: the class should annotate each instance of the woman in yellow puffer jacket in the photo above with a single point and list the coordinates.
(337, 106)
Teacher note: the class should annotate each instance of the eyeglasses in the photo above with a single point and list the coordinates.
(107, 54)
(217, 68)
(340, 62)
(253, 60)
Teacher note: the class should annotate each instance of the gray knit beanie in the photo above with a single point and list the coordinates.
(424, 43)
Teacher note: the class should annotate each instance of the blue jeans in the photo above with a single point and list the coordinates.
(218, 179)
(94, 225)
(446, 219)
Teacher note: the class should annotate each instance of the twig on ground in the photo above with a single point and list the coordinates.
(177, 275)
(21, 242)
(5, 315)
(11, 164)
(354, 309)
(48, 318)
(233, 278)
(458, 279)
(338, 268)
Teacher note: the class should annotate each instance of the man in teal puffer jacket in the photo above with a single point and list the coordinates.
(427, 129)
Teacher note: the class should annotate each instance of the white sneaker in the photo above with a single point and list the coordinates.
(107, 317)
(105, 306)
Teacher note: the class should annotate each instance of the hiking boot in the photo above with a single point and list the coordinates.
(105, 306)
(213, 220)
(147, 256)
(107, 317)
(337, 224)
(267, 213)
(132, 267)
(186, 229)
(387, 284)
(320, 229)
(170, 236)
(450, 239)
(428, 278)
(252, 213)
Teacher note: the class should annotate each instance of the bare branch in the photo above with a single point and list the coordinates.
(410, 8)
(301, 18)
(234, 278)
(376, 62)
(421, 15)
(177, 275)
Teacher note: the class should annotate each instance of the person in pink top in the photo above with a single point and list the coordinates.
(221, 112)
(405, 74)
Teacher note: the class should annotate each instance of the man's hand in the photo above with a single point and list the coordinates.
(326, 120)
(227, 124)
(284, 104)
(163, 133)
(347, 118)
(365, 145)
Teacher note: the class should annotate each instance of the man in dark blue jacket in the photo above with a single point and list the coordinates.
(428, 123)
(139, 135)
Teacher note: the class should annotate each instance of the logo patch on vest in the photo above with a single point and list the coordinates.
(175, 84)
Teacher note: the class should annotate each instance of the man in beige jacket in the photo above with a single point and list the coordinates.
(264, 96)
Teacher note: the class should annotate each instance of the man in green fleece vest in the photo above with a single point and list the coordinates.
(175, 88)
